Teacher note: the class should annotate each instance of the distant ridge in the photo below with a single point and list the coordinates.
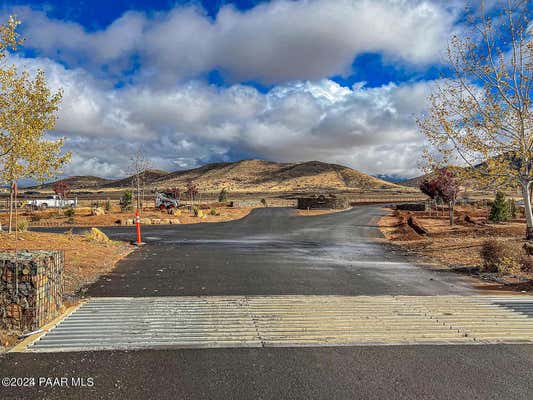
(254, 176)
(149, 176)
(77, 182)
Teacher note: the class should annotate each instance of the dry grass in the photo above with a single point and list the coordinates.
(85, 259)
(83, 217)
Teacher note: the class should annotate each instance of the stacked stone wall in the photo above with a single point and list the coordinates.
(31, 288)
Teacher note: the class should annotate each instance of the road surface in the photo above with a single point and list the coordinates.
(275, 252)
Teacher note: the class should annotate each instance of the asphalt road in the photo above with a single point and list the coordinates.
(273, 251)
(403, 372)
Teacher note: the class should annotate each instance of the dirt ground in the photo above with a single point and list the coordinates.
(308, 213)
(456, 247)
(83, 216)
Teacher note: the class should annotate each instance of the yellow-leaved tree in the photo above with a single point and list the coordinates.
(480, 117)
(28, 110)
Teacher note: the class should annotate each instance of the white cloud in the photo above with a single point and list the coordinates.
(273, 42)
(371, 129)
(181, 121)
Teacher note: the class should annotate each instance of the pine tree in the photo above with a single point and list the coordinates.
(499, 211)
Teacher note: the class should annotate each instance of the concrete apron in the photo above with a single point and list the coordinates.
(287, 321)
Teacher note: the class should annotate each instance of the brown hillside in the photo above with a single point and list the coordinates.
(254, 176)
(265, 176)
(150, 175)
(77, 182)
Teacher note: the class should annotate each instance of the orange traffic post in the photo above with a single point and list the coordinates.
(138, 227)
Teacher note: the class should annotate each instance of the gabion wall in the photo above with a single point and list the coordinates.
(31, 288)
(322, 202)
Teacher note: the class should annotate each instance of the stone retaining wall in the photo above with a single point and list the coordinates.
(31, 288)
(322, 202)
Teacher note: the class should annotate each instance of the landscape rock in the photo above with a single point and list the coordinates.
(97, 235)
(97, 211)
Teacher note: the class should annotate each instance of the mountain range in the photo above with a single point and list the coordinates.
(245, 176)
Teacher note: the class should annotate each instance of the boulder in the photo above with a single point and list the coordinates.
(97, 211)
(96, 235)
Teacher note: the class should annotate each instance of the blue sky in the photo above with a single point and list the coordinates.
(194, 82)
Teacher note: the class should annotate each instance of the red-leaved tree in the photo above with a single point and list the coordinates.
(62, 189)
(444, 186)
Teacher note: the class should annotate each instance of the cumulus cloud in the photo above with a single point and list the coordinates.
(371, 129)
(274, 42)
(137, 83)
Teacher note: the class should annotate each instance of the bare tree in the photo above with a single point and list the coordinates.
(139, 164)
(480, 117)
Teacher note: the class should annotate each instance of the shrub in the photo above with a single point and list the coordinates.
(213, 211)
(264, 202)
(223, 196)
(96, 235)
(107, 205)
(196, 210)
(70, 212)
(499, 211)
(126, 202)
(502, 256)
(22, 225)
(513, 211)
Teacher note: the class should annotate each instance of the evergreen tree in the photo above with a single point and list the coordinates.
(499, 211)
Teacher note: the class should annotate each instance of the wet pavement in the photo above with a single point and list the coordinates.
(273, 251)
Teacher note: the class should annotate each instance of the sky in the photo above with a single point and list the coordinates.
(192, 82)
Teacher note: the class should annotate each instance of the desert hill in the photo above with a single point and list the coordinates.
(77, 183)
(415, 182)
(149, 176)
(266, 176)
(252, 176)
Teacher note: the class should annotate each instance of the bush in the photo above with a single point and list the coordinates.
(196, 210)
(223, 196)
(499, 211)
(213, 211)
(22, 225)
(96, 235)
(107, 205)
(126, 202)
(70, 212)
(502, 256)
(264, 202)
(513, 211)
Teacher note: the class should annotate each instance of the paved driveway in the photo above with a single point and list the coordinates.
(273, 251)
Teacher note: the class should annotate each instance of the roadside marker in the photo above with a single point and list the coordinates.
(139, 242)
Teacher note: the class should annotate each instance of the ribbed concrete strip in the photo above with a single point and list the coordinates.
(256, 321)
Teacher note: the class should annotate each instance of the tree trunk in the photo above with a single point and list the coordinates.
(451, 205)
(10, 207)
(526, 194)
